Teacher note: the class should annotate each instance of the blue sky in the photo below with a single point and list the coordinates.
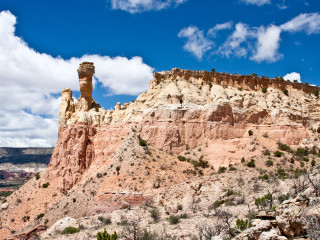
(43, 41)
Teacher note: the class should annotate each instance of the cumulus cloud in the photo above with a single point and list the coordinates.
(258, 43)
(233, 45)
(308, 22)
(218, 27)
(267, 44)
(137, 6)
(31, 82)
(256, 2)
(196, 43)
(293, 76)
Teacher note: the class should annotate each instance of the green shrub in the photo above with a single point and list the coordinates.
(70, 230)
(179, 206)
(305, 159)
(37, 176)
(222, 169)
(243, 160)
(282, 174)
(298, 172)
(292, 160)
(269, 163)
(285, 91)
(251, 164)
(155, 214)
(318, 129)
(264, 90)
(45, 185)
(106, 221)
(243, 224)
(264, 177)
(182, 158)
(40, 215)
(5, 194)
(106, 236)
(313, 163)
(142, 142)
(263, 201)
(302, 164)
(266, 153)
(232, 168)
(302, 151)
(174, 219)
(213, 70)
(284, 147)
(218, 203)
(316, 93)
(278, 153)
(254, 74)
(230, 192)
(250, 132)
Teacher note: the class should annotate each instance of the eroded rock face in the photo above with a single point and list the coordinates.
(66, 108)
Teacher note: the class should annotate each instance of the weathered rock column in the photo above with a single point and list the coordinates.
(85, 72)
(66, 108)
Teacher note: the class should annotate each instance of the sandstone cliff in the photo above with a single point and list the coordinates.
(204, 116)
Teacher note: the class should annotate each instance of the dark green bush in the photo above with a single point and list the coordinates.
(313, 163)
(106, 236)
(155, 214)
(142, 142)
(318, 129)
(243, 160)
(213, 70)
(243, 224)
(278, 154)
(222, 169)
(282, 174)
(70, 230)
(269, 163)
(182, 158)
(264, 177)
(250, 132)
(264, 90)
(218, 203)
(305, 159)
(284, 147)
(285, 91)
(302, 151)
(37, 176)
(174, 219)
(251, 164)
(45, 185)
(263, 201)
(254, 74)
(40, 215)
(266, 153)
(106, 221)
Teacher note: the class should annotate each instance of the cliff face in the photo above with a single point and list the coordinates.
(183, 108)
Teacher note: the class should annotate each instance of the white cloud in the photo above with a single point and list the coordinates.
(137, 6)
(268, 44)
(293, 76)
(256, 2)
(233, 45)
(31, 81)
(218, 27)
(197, 43)
(308, 22)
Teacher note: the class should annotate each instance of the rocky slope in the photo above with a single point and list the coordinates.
(108, 160)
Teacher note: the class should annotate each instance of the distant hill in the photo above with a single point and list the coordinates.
(25, 155)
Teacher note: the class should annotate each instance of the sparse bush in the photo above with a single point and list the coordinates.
(264, 177)
(251, 164)
(106, 236)
(243, 160)
(232, 168)
(278, 153)
(305, 159)
(292, 160)
(269, 163)
(154, 212)
(302, 151)
(142, 142)
(174, 219)
(179, 206)
(45, 185)
(222, 169)
(70, 230)
(254, 75)
(37, 176)
(182, 158)
(243, 224)
(218, 203)
(313, 163)
(250, 132)
(284, 147)
(213, 70)
(263, 201)
(264, 90)
(40, 215)
(106, 221)
(282, 174)
(285, 91)
(283, 197)
(266, 153)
